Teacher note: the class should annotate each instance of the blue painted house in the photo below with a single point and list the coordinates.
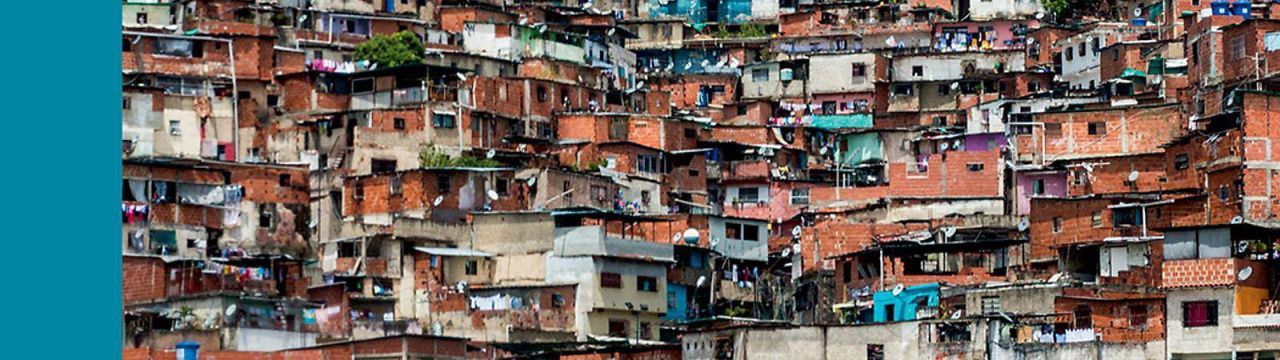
(903, 306)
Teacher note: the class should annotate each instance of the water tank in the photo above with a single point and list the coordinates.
(187, 350)
(1220, 7)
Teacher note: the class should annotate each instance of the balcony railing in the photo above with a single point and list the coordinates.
(402, 97)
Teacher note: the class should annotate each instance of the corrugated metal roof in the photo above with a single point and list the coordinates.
(453, 252)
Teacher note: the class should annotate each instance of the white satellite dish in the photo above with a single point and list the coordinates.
(956, 144)
(733, 62)
(688, 65)
(721, 63)
(786, 252)
(611, 31)
(675, 238)
(523, 21)
(795, 231)
(670, 65)
(640, 84)
(437, 201)
(706, 63)
(490, 153)
(691, 236)
(955, 85)
(822, 151)
(462, 76)
(1237, 220)
(1055, 278)
(493, 195)
(1137, 12)
(231, 310)
(701, 280)
(1242, 247)
(1024, 225)
(1133, 176)
(897, 289)
(715, 242)
(1244, 273)
(944, 146)
(462, 286)
(532, 180)
(949, 231)
(1039, 15)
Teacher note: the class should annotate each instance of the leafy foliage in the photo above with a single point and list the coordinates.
(434, 158)
(397, 49)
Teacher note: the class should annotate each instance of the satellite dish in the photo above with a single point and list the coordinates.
(1242, 247)
(955, 85)
(1024, 225)
(1137, 12)
(701, 280)
(493, 195)
(786, 252)
(706, 63)
(231, 310)
(944, 146)
(462, 76)
(1237, 220)
(956, 144)
(897, 289)
(1055, 278)
(691, 236)
(611, 31)
(1244, 273)
(949, 231)
(721, 63)
(733, 62)
(532, 180)
(795, 231)
(715, 242)
(688, 65)
(956, 315)
(1133, 176)
(675, 238)
(437, 201)
(462, 286)
(822, 151)
(523, 21)
(1039, 15)
(491, 153)
(670, 65)
(640, 84)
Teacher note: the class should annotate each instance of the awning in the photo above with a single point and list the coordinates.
(453, 252)
(1131, 72)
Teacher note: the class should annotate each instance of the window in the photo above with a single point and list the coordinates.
(875, 352)
(442, 120)
(1126, 217)
(903, 90)
(944, 89)
(1271, 41)
(361, 86)
(396, 186)
(859, 70)
(1081, 49)
(285, 179)
(1138, 316)
(644, 331)
(647, 163)
(610, 280)
(265, 213)
(618, 129)
(1069, 55)
(1237, 49)
(542, 93)
(1181, 162)
(1084, 316)
(501, 186)
(800, 196)
(1199, 313)
(917, 70)
(759, 75)
(1037, 187)
(357, 192)
(472, 267)
(846, 271)
(1097, 44)
(750, 232)
(748, 195)
(141, 18)
(175, 128)
(618, 328)
(647, 283)
(975, 167)
(690, 133)
(1057, 224)
(444, 184)
(273, 100)
(348, 249)
(398, 123)
(1097, 128)
(990, 304)
(382, 166)
(351, 25)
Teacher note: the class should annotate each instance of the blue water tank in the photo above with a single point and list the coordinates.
(188, 350)
(1139, 21)
(1222, 7)
(1241, 9)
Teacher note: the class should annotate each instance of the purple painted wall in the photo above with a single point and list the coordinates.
(1055, 185)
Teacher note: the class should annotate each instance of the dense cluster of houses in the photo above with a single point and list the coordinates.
(701, 179)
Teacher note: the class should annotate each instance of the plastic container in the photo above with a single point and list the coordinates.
(1221, 8)
(1241, 9)
(1139, 21)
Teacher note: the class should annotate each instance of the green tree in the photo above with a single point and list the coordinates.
(397, 49)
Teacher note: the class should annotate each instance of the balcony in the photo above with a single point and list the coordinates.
(592, 240)
(402, 97)
(745, 169)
